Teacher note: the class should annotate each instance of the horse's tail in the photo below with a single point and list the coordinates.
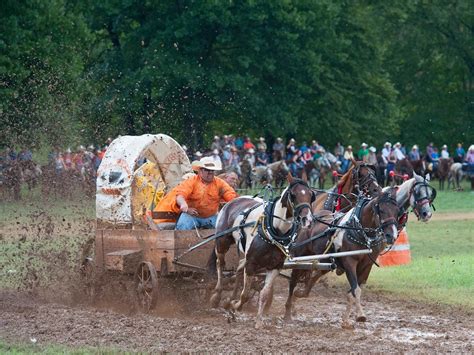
(212, 263)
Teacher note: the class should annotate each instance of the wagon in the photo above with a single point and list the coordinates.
(127, 242)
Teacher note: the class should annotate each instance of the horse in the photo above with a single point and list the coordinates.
(359, 177)
(261, 175)
(415, 193)
(246, 177)
(442, 171)
(262, 231)
(324, 165)
(402, 167)
(419, 166)
(455, 176)
(369, 225)
(280, 171)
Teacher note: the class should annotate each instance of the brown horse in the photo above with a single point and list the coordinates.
(359, 178)
(370, 225)
(262, 231)
(442, 171)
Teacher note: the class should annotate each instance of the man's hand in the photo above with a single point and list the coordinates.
(183, 206)
(193, 212)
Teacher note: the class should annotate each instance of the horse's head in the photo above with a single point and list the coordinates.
(385, 210)
(422, 197)
(297, 198)
(363, 177)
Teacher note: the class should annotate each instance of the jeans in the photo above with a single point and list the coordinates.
(188, 222)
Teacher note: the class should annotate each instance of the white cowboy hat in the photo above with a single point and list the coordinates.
(373, 149)
(398, 144)
(216, 138)
(184, 147)
(208, 163)
(388, 143)
(444, 147)
(279, 139)
(292, 140)
(415, 147)
(215, 151)
(261, 139)
(251, 151)
(198, 154)
(364, 145)
(349, 147)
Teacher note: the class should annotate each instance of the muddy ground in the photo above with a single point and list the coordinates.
(41, 315)
(393, 325)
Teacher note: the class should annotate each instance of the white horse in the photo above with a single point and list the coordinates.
(261, 231)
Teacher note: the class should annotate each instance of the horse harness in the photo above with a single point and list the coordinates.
(368, 237)
(267, 232)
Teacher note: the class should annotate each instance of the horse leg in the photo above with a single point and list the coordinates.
(289, 302)
(265, 295)
(221, 249)
(351, 295)
(245, 294)
(310, 282)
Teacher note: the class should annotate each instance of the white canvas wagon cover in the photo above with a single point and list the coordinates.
(116, 172)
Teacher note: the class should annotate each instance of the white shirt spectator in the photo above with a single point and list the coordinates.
(398, 154)
(444, 154)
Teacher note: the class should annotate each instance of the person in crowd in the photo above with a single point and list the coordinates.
(403, 149)
(68, 159)
(216, 144)
(429, 152)
(444, 152)
(250, 156)
(78, 159)
(11, 155)
(339, 151)
(225, 140)
(398, 152)
(291, 149)
(297, 164)
(314, 146)
(347, 159)
(248, 144)
(414, 154)
(470, 155)
(226, 154)
(234, 161)
(363, 152)
(372, 157)
(197, 155)
(239, 143)
(303, 148)
(307, 155)
(59, 165)
(391, 161)
(216, 157)
(459, 153)
(25, 155)
(261, 144)
(278, 150)
(196, 200)
(387, 149)
(261, 159)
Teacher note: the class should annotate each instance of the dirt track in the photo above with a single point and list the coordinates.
(392, 326)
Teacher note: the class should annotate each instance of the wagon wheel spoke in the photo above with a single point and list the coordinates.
(146, 282)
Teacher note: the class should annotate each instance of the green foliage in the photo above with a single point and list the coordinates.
(332, 70)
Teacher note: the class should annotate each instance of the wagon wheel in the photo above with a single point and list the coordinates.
(146, 285)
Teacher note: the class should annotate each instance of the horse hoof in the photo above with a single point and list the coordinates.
(301, 294)
(259, 325)
(361, 319)
(347, 326)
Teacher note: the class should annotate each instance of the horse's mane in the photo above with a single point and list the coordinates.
(403, 191)
(346, 179)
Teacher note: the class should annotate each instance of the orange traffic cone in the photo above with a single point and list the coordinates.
(399, 254)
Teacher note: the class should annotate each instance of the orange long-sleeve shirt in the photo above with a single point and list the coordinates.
(203, 197)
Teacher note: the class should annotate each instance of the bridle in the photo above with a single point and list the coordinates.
(289, 196)
(364, 182)
(421, 201)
